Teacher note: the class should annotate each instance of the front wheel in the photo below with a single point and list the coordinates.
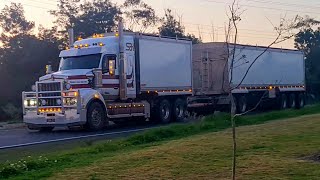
(96, 117)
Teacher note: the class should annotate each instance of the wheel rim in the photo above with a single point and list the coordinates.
(243, 105)
(301, 102)
(96, 117)
(179, 111)
(165, 112)
(293, 103)
(284, 104)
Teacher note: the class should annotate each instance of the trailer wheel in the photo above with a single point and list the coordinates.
(164, 111)
(179, 110)
(242, 105)
(292, 101)
(283, 102)
(300, 101)
(95, 117)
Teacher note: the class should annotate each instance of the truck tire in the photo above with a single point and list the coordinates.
(164, 111)
(292, 101)
(242, 104)
(300, 103)
(96, 117)
(179, 110)
(283, 102)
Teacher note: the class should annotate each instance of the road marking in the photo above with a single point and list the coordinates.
(74, 138)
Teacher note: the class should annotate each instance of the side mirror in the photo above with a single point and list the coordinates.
(49, 69)
(97, 78)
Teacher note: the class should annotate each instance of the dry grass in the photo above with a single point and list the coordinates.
(268, 151)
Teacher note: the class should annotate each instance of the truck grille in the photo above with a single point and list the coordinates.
(49, 94)
(47, 87)
(49, 102)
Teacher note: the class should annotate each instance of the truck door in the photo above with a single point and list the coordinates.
(110, 77)
(130, 71)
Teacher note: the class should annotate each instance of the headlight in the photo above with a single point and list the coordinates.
(43, 102)
(68, 86)
(33, 102)
(30, 103)
(70, 101)
(58, 101)
(25, 103)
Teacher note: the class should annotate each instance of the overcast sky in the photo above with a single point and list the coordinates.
(207, 18)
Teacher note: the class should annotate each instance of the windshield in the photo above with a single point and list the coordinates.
(80, 62)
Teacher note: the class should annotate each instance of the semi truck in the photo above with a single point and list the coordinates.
(120, 76)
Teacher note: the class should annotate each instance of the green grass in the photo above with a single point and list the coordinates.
(274, 150)
(82, 157)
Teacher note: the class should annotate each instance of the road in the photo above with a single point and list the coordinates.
(14, 138)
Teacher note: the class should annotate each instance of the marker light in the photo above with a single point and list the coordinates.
(111, 67)
(76, 46)
(101, 44)
(86, 45)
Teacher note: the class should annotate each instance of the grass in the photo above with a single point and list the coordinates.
(269, 151)
(86, 157)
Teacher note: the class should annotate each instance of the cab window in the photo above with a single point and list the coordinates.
(109, 64)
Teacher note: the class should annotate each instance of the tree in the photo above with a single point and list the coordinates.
(13, 23)
(139, 15)
(23, 55)
(308, 41)
(284, 33)
(171, 27)
(88, 17)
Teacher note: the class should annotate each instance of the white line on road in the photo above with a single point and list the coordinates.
(74, 138)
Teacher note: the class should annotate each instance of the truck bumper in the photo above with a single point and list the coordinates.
(69, 118)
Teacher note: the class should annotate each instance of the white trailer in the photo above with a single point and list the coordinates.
(278, 72)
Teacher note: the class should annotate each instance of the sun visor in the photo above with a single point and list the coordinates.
(80, 52)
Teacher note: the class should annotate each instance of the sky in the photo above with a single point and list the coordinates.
(207, 18)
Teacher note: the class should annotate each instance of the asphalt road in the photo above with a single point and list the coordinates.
(14, 138)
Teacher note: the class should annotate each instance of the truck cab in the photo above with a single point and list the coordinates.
(112, 77)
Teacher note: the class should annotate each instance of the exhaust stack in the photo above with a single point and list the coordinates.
(71, 37)
(123, 76)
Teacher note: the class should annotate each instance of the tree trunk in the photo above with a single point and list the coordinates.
(233, 124)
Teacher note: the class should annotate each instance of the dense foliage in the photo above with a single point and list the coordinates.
(308, 40)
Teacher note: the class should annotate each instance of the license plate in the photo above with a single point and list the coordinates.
(51, 120)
